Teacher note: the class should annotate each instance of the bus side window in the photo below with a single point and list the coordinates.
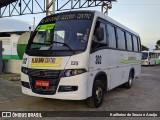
(95, 42)
(103, 42)
(111, 36)
(139, 44)
(135, 43)
(151, 55)
(121, 39)
(129, 41)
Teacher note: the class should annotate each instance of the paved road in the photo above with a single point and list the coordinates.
(143, 96)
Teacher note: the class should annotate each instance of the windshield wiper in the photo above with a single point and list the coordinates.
(63, 44)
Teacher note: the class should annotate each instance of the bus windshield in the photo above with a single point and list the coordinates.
(144, 55)
(68, 32)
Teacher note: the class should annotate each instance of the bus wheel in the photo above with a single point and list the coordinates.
(96, 99)
(128, 84)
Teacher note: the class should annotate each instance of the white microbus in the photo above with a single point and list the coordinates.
(149, 58)
(158, 54)
(79, 55)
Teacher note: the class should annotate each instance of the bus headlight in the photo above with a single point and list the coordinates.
(74, 72)
(24, 70)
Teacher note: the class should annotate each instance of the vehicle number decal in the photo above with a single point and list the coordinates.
(74, 62)
(98, 59)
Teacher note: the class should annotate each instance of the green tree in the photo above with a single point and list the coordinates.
(145, 48)
(157, 46)
(158, 42)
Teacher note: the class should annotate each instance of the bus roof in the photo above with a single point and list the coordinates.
(103, 16)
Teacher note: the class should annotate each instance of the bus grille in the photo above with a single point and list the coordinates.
(54, 74)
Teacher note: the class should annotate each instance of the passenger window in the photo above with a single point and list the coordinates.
(103, 42)
(129, 41)
(135, 43)
(139, 44)
(111, 36)
(121, 39)
(95, 42)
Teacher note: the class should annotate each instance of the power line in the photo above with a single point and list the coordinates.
(138, 4)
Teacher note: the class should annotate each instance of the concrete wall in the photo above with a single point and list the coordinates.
(12, 66)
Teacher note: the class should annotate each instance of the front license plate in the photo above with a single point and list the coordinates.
(43, 83)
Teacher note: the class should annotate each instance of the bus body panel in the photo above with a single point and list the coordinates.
(78, 61)
(118, 62)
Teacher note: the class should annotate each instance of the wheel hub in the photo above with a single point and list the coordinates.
(130, 81)
(99, 94)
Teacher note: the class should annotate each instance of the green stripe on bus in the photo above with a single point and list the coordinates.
(10, 57)
(130, 61)
(158, 62)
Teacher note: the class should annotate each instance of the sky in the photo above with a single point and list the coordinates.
(142, 16)
(10, 25)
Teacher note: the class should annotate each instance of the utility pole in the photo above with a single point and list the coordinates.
(50, 5)
(106, 6)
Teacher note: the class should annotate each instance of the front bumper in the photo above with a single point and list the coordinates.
(80, 81)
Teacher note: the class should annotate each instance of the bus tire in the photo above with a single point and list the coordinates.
(96, 99)
(128, 84)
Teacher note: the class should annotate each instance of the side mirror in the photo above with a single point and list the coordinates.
(100, 34)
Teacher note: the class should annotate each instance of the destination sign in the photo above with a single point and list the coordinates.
(46, 62)
(68, 16)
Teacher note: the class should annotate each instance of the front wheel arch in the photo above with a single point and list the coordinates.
(103, 77)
